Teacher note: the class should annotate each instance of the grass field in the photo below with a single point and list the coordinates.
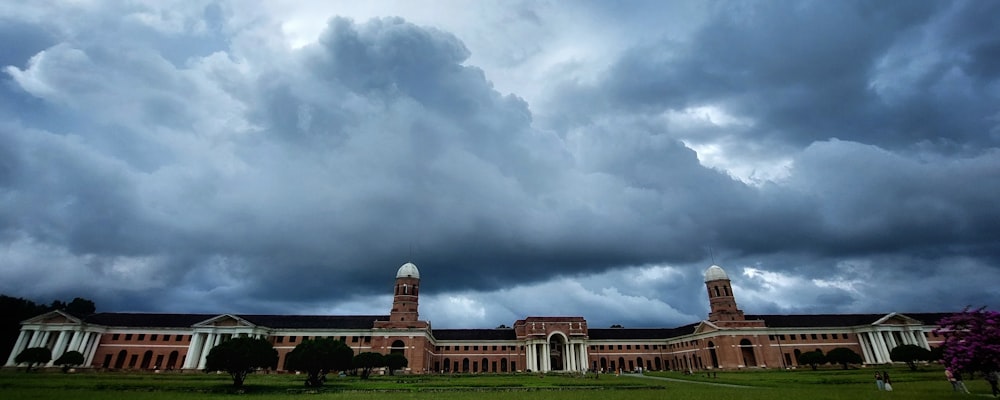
(926, 383)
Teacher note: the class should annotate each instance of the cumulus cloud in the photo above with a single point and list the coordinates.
(214, 158)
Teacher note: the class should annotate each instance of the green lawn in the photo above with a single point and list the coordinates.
(926, 383)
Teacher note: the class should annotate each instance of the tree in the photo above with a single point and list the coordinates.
(81, 307)
(69, 359)
(368, 361)
(15, 310)
(910, 354)
(394, 361)
(241, 356)
(33, 356)
(972, 340)
(843, 356)
(812, 359)
(317, 357)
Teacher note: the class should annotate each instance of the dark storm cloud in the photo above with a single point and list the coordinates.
(203, 165)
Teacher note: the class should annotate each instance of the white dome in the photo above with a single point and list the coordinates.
(715, 273)
(408, 270)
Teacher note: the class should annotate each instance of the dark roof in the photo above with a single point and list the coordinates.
(147, 319)
(640, 333)
(270, 321)
(315, 321)
(836, 320)
(474, 334)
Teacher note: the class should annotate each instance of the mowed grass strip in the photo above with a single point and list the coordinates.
(927, 383)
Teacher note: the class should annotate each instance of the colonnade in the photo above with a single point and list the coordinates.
(85, 342)
(539, 358)
(203, 342)
(877, 344)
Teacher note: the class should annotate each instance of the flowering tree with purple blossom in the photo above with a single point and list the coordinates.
(972, 340)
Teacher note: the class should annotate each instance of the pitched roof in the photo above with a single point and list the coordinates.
(315, 321)
(836, 320)
(639, 333)
(474, 334)
(158, 320)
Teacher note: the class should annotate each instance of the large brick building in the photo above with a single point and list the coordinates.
(727, 339)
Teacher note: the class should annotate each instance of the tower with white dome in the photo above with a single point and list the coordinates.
(406, 295)
(720, 296)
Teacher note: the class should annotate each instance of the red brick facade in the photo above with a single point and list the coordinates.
(727, 339)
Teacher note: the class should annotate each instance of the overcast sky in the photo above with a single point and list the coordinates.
(537, 158)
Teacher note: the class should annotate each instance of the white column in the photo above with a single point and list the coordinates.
(584, 356)
(194, 351)
(876, 356)
(880, 347)
(57, 349)
(210, 342)
(922, 340)
(21, 339)
(45, 339)
(74, 345)
(36, 337)
(864, 349)
(93, 342)
(890, 343)
(546, 356)
(535, 364)
(571, 348)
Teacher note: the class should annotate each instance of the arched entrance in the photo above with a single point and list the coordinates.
(746, 348)
(556, 345)
(713, 354)
(398, 347)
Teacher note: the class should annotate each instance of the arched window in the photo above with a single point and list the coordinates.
(172, 360)
(716, 291)
(398, 347)
(465, 365)
(146, 358)
(486, 365)
(120, 361)
(447, 365)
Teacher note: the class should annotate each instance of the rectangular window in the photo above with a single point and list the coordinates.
(179, 338)
(628, 347)
(153, 337)
(279, 339)
(646, 347)
(142, 336)
(781, 337)
(619, 347)
(494, 348)
(368, 339)
(476, 348)
(824, 336)
(466, 348)
(128, 336)
(814, 336)
(601, 347)
(354, 339)
(291, 339)
(115, 336)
